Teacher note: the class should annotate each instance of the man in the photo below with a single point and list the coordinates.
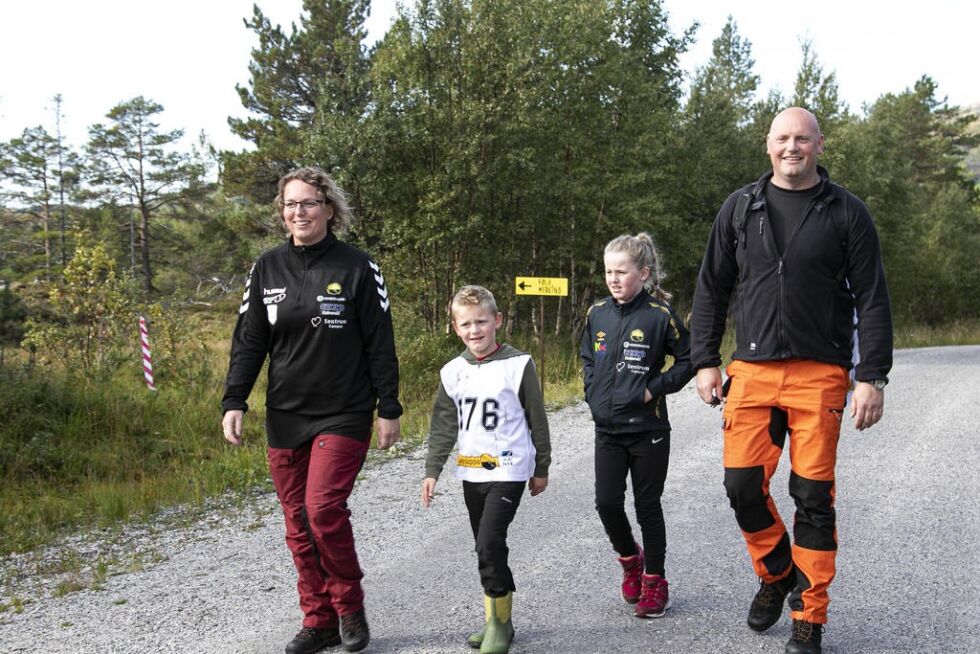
(803, 254)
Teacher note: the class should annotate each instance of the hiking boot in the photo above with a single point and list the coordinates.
(499, 631)
(654, 598)
(354, 633)
(767, 605)
(632, 571)
(806, 638)
(311, 639)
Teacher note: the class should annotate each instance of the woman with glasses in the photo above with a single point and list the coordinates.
(318, 308)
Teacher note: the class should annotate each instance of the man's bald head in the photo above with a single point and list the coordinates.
(793, 144)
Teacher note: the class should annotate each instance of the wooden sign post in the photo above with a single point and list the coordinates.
(541, 286)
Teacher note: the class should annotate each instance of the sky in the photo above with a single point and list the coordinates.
(188, 55)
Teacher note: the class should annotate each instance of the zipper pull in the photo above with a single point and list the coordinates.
(760, 224)
(780, 272)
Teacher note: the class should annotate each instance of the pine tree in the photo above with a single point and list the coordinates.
(136, 163)
(313, 73)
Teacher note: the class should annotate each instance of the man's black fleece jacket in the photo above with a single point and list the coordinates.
(798, 305)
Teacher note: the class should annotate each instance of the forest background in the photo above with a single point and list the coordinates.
(478, 141)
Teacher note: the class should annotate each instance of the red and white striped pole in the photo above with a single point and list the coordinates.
(147, 359)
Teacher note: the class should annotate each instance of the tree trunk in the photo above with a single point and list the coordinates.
(46, 220)
(561, 305)
(132, 245)
(145, 248)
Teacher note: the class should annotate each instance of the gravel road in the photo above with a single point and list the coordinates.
(909, 530)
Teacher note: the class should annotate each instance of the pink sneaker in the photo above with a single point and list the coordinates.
(632, 572)
(654, 598)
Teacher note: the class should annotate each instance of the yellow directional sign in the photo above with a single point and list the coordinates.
(541, 285)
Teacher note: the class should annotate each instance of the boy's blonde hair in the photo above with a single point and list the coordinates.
(473, 295)
(643, 254)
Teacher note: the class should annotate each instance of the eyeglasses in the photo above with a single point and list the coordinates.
(309, 205)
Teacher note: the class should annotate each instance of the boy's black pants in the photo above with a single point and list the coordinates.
(644, 457)
(492, 506)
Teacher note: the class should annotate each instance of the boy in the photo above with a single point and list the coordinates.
(490, 403)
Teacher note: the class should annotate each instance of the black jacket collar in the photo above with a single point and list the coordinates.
(628, 307)
(316, 249)
(828, 190)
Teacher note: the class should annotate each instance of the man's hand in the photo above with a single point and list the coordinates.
(537, 485)
(231, 425)
(708, 381)
(867, 405)
(389, 431)
(428, 490)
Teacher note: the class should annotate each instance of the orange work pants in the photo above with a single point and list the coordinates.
(765, 402)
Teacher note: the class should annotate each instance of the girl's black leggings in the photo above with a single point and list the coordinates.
(643, 456)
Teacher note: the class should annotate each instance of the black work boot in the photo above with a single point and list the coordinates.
(354, 631)
(767, 605)
(806, 638)
(310, 639)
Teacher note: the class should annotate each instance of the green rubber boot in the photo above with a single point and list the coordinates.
(475, 640)
(499, 630)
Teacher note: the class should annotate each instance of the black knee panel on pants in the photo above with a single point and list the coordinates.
(744, 488)
(815, 514)
(780, 558)
(778, 426)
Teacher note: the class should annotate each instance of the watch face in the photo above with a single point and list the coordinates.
(879, 384)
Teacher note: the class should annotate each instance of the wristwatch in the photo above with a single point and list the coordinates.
(879, 384)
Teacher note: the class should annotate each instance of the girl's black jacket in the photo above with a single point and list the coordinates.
(624, 347)
(321, 314)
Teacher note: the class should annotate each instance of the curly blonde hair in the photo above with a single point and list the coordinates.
(473, 295)
(328, 188)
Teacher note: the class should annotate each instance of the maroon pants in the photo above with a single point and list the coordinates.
(313, 483)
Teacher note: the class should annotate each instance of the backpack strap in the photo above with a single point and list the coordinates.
(738, 216)
(840, 220)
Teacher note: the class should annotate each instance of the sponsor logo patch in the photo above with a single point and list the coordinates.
(637, 336)
(485, 461)
(634, 355)
(272, 297)
(334, 288)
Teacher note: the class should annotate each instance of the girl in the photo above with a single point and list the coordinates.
(624, 344)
